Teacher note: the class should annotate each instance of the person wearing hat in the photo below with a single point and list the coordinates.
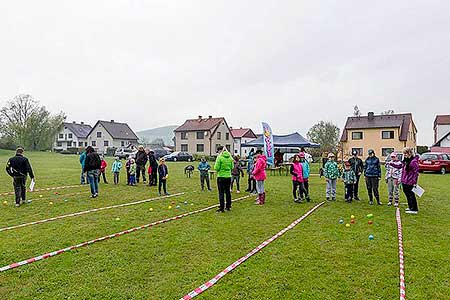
(357, 166)
(393, 178)
(372, 173)
(18, 167)
(331, 174)
(349, 179)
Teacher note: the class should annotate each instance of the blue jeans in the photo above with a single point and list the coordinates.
(93, 181)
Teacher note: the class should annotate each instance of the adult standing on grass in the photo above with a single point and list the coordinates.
(141, 161)
(92, 168)
(410, 175)
(18, 167)
(153, 179)
(259, 173)
(223, 167)
(357, 166)
(372, 173)
(82, 161)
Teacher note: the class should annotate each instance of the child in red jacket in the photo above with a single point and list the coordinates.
(103, 166)
(149, 171)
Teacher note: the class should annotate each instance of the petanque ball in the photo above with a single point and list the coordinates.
(371, 237)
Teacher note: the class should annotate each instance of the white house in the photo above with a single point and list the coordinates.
(72, 135)
(111, 134)
(441, 134)
(242, 136)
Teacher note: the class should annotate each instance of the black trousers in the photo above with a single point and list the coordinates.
(140, 169)
(349, 191)
(203, 178)
(104, 177)
(372, 188)
(300, 187)
(163, 184)
(116, 177)
(356, 186)
(412, 201)
(20, 188)
(154, 177)
(223, 185)
(251, 184)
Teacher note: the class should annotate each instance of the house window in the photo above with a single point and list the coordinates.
(200, 135)
(235, 151)
(70, 136)
(94, 143)
(80, 144)
(58, 144)
(227, 136)
(99, 134)
(386, 151)
(200, 148)
(69, 144)
(387, 135)
(85, 144)
(61, 135)
(184, 136)
(217, 147)
(122, 143)
(106, 143)
(219, 135)
(228, 147)
(184, 148)
(357, 135)
(358, 150)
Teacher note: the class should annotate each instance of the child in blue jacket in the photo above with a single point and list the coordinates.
(163, 174)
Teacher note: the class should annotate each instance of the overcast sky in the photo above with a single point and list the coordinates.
(290, 63)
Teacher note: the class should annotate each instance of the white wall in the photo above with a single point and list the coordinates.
(65, 141)
(442, 130)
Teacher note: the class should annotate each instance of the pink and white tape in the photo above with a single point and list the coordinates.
(400, 255)
(54, 253)
(234, 265)
(45, 189)
(85, 212)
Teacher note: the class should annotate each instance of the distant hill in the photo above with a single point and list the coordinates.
(165, 133)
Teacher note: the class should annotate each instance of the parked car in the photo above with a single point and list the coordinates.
(160, 153)
(399, 156)
(179, 156)
(434, 162)
(124, 153)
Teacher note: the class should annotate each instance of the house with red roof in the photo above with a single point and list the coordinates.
(242, 136)
(441, 134)
(203, 136)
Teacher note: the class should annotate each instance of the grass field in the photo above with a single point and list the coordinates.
(318, 259)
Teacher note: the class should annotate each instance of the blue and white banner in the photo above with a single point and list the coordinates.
(268, 143)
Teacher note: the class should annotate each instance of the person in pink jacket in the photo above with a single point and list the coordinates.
(259, 173)
(297, 179)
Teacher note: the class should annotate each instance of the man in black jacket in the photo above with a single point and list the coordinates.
(92, 168)
(357, 166)
(18, 167)
(141, 161)
(154, 165)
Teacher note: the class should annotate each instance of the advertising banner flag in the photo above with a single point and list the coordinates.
(268, 143)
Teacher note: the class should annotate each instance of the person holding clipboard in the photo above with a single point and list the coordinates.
(18, 167)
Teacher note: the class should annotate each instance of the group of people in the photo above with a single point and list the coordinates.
(93, 166)
(398, 173)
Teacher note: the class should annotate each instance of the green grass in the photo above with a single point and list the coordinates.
(318, 259)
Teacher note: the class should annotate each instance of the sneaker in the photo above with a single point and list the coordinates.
(370, 202)
(406, 210)
(379, 203)
(357, 198)
(209, 190)
(166, 194)
(308, 199)
(328, 198)
(228, 209)
(17, 204)
(396, 204)
(333, 199)
(412, 212)
(389, 203)
(219, 211)
(93, 196)
(238, 192)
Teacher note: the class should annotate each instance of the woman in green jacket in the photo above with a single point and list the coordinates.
(223, 167)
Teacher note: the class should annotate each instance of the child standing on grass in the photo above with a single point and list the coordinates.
(149, 172)
(349, 179)
(127, 167)
(163, 173)
(236, 174)
(204, 168)
(297, 179)
(306, 171)
(103, 166)
(331, 174)
(116, 167)
(132, 173)
(393, 178)
(259, 173)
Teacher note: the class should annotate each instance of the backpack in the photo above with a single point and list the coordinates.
(95, 162)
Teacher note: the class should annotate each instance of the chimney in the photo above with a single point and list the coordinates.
(199, 117)
(74, 122)
(82, 123)
(371, 115)
(231, 128)
(209, 117)
(112, 121)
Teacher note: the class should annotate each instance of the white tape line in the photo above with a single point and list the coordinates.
(86, 212)
(54, 253)
(234, 265)
(400, 255)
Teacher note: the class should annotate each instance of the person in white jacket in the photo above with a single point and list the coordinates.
(393, 178)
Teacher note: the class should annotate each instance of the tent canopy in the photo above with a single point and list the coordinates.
(284, 141)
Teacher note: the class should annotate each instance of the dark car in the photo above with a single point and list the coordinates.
(179, 156)
(434, 162)
(160, 153)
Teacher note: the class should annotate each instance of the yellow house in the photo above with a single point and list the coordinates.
(384, 134)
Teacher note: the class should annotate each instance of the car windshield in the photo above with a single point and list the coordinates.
(428, 156)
